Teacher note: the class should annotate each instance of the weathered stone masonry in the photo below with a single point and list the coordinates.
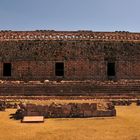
(79, 55)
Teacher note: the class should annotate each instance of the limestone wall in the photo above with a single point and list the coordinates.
(85, 55)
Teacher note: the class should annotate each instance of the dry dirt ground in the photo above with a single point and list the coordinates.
(126, 126)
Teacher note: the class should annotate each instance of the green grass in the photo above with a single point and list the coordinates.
(126, 126)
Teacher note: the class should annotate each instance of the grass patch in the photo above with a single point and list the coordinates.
(126, 126)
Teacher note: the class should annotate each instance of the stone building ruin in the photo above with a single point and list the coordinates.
(69, 56)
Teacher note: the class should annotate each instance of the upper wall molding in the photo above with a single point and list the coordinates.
(68, 35)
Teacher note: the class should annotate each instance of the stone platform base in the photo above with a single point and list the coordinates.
(70, 88)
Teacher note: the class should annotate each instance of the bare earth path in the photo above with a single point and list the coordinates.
(126, 126)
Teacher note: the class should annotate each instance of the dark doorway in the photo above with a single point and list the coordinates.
(111, 69)
(7, 69)
(59, 69)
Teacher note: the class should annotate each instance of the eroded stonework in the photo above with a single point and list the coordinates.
(85, 55)
(68, 110)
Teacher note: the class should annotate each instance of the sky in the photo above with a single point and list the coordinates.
(65, 15)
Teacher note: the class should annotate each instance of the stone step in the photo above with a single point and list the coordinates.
(32, 119)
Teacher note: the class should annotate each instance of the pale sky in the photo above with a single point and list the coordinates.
(96, 15)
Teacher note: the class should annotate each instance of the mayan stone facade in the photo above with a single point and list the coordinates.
(77, 55)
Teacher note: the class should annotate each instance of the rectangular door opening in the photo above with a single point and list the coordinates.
(59, 69)
(7, 69)
(111, 69)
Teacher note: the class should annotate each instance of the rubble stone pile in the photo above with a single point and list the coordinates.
(138, 102)
(2, 106)
(122, 102)
(69, 110)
